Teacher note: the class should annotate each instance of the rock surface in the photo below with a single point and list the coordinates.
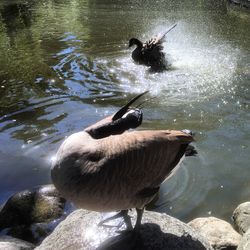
(80, 230)
(10, 243)
(219, 233)
(32, 206)
(245, 242)
(27, 213)
(241, 217)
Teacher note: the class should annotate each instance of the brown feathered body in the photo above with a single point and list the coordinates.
(119, 171)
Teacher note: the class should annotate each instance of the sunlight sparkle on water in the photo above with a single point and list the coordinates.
(52, 159)
(199, 69)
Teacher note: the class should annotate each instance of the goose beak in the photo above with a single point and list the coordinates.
(121, 112)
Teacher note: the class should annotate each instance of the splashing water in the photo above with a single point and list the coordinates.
(201, 67)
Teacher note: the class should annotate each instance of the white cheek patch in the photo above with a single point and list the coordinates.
(129, 112)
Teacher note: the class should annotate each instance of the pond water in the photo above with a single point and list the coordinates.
(66, 64)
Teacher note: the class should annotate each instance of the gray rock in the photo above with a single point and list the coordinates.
(219, 233)
(42, 204)
(241, 217)
(27, 213)
(245, 242)
(80, 230)
(10, 243)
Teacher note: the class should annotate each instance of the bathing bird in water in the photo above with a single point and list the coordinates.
(151, 52)
(108, 168)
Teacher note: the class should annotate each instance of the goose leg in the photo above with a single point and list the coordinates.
(139, 212)
(122, 213)
(127, 220)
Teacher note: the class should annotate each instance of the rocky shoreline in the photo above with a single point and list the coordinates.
(36, 219)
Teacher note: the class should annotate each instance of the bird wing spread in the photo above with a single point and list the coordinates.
(154, 43)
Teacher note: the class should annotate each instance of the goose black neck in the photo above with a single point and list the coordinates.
(106, 130)
(131, 119)
(138, 43)
(135, 41)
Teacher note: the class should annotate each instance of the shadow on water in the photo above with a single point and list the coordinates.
(15, 17)
(150, 236)
(16, 166)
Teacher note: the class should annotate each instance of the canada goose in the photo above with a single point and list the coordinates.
(151, 52)
(107, 168)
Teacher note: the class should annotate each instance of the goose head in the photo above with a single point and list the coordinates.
(124, 119)
(135, 41)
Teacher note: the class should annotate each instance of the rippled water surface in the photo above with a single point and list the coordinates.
(66, 64)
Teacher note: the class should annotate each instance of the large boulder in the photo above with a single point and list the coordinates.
(245, 242)
(219, 233)
(10, 243)
(241, 217)
(80, 230)
(41, 204)
(27, 213)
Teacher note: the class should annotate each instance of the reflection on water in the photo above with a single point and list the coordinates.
(66, 64)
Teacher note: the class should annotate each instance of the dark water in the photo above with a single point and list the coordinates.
(65, 64)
